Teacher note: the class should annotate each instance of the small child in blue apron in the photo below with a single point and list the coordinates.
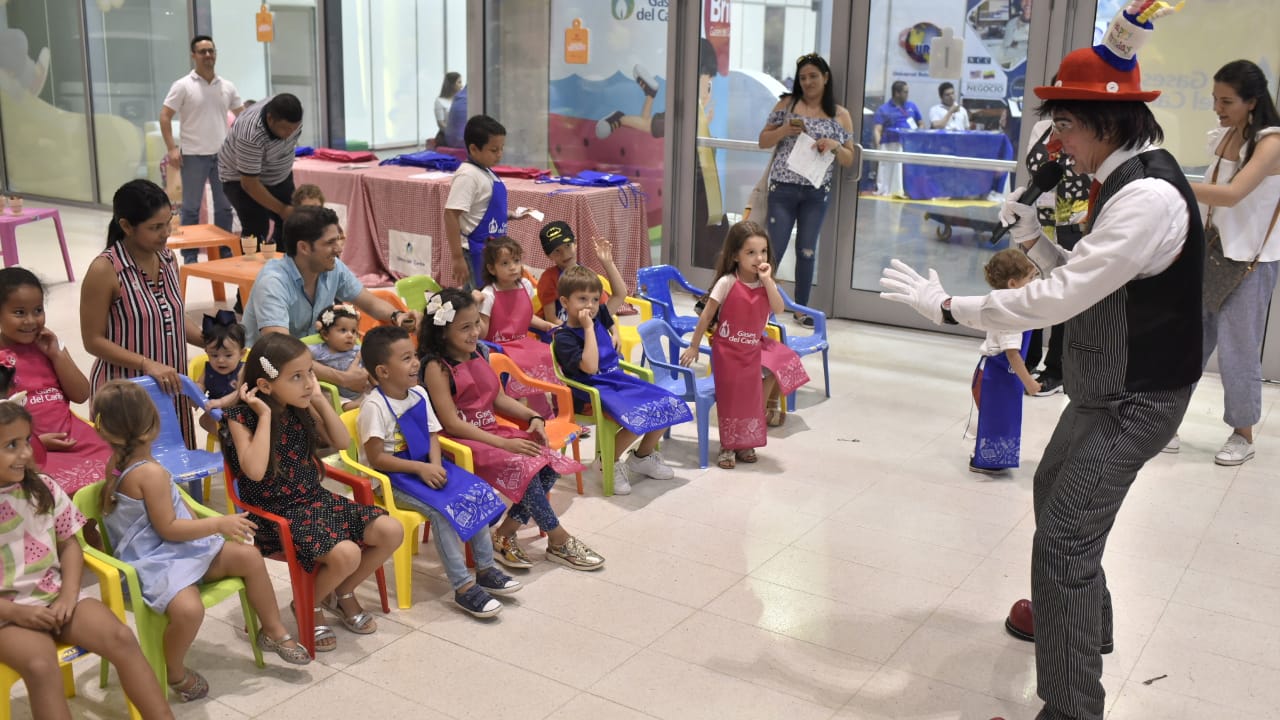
(397, 428)
(1003, 377)
(477, 205)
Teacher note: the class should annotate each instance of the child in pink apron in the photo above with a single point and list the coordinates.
(739, 305)
(45, 371)
(507, 311)
(468, 399)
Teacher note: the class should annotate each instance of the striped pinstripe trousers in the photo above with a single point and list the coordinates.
(1095, 453)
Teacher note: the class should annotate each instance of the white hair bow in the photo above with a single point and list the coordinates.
(18, 398)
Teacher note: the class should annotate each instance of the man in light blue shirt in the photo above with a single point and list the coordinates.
(290, 292)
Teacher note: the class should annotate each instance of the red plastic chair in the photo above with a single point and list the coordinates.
(303, 582)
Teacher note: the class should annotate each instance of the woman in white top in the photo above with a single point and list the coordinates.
(1244, 202)
(452, 84)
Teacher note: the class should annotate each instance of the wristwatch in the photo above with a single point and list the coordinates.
(947, 317)
(395, 316)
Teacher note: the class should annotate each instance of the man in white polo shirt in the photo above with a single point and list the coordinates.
(201, 100)
(256, 164)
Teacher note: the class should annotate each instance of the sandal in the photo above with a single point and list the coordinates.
(361, 623)
(325, 639)
(191, 686)
(773, 417)
(294, 655)
(726, 459)
(746, 456)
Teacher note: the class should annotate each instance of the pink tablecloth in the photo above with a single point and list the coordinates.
(380, 200)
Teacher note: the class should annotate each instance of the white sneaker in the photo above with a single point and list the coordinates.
(621, 483)
(1173, 446)
(650, 465)
(1235, 451)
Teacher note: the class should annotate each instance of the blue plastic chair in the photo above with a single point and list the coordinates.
(808, 344)
(188, 467)
(655, 286)
(681, 381)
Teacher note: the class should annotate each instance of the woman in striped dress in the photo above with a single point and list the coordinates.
(131, 309)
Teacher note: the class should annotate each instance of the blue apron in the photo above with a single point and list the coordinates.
(999, 442)
(638, 406)
(493, 224)
(466, 501)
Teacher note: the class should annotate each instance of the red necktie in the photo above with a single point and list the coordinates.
(1093, 199)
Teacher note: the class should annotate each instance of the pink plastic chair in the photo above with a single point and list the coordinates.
(9, 223)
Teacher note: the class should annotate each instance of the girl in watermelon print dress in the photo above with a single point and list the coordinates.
(40, 569)
(270, 443)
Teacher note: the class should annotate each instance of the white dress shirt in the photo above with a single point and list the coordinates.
(1139, 233)
(958, 121)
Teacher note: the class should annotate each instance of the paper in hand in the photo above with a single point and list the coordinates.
(807, 162)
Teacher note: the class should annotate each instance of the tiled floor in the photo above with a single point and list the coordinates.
(858, 571)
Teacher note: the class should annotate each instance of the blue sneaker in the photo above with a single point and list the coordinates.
(477, 602)
(497, 582)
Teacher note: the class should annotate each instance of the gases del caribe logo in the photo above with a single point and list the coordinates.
(650, 10)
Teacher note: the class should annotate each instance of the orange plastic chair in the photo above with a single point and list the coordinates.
(367, 321)
(562, 431)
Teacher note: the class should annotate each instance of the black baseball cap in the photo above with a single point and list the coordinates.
(554, 234)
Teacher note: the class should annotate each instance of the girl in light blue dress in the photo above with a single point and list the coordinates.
(152, 529)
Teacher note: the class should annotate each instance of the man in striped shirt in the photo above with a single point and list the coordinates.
(256, 164)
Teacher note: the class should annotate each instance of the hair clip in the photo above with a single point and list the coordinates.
(19, 398)
(268, 368)
(8, 359)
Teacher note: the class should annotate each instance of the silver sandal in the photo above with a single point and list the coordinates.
(323, 633)
(362, 623)
(296, 655)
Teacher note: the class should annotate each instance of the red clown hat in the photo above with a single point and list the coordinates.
(1109, 72)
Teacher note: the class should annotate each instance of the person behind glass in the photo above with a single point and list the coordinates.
(1243, 196)
(255, 164)
(794, 202)
(132, 315)
(896, 115)
(477, 205)
(1004, 375)
(201, 100)
(948, 114)
(448, 89)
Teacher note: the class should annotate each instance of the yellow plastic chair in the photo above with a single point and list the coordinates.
(413, 290)
(149, 623)
(113, 598)
(629, 335)
(402, 559)
(606, 429)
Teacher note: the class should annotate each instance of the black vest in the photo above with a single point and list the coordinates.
(1147, 335)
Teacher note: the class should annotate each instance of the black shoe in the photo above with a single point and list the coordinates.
(1049, 385)
(986, 471)
(239, 306)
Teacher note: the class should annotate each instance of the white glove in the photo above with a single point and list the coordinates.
(908, 287)
(1022, 220)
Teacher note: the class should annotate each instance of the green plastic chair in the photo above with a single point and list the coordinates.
(606, 429)
(329, 388)
(150, 624)
(413, 290)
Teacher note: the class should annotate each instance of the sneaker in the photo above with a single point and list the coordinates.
(985, 471)
(476, 602)
(1235, 451)
(496, 582)
(1173, 446)
(1049, 385)
(607, 125)
(621, 483)
(646, 80)
(650, 465)
(575, 555)
(507, 551)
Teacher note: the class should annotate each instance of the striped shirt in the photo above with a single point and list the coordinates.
(146, 319)
(251, 149)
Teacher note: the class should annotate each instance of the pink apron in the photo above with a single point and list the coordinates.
(509, 327)
(85, 462)
(476, 388)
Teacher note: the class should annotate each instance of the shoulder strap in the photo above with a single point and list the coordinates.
(1208, 217)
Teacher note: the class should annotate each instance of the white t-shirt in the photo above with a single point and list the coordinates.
(377, 421)
(1244, 226)
(996, 343)
(202, 109)
(470, 192)
(486, 304)
(442, 111)
(721, 289)
(958, 121)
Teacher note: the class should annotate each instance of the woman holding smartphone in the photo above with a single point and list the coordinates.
(794, 202)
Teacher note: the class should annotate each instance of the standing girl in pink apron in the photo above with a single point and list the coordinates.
(507, 313)
(467, 397)
(739, 306)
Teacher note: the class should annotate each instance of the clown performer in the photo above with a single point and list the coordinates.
(1129, 294)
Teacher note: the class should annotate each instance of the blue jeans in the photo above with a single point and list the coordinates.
(449, 545)
(534, 505)
(802, 207)
(196, 171)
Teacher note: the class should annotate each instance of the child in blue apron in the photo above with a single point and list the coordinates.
(396, 426)
(1004, 376)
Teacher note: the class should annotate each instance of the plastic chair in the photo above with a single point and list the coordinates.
(402, 559)
(677, 379)
(606, 429)
(303, 582)
(329, 388)
(562, 431)
(628, 337)
(655, 286)
(188, 467)
(113, 597)
(815, 341)
(149, 623)
(413, 290)
(368, 322)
